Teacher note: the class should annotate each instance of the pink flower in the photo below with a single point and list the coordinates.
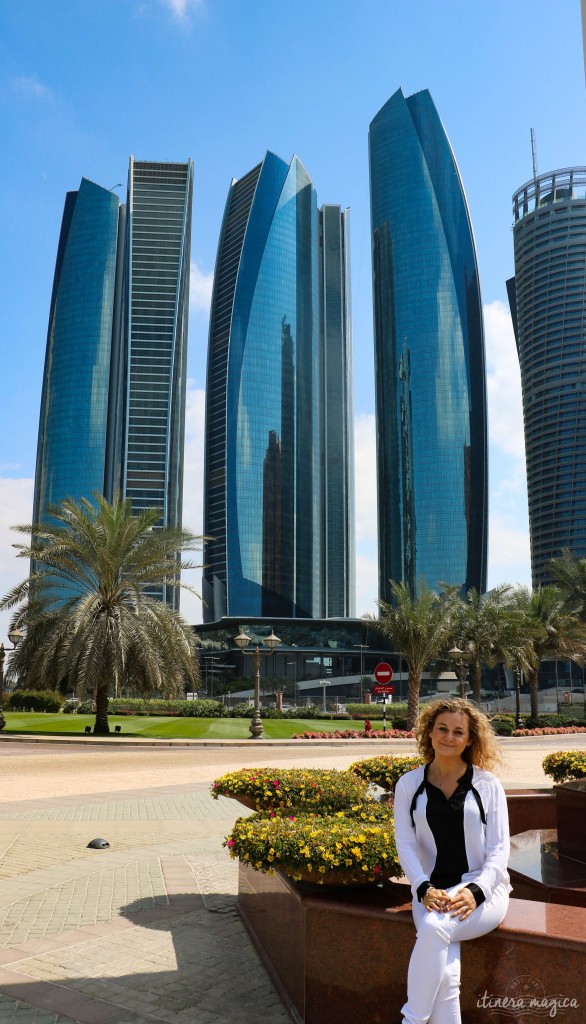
(230, 842)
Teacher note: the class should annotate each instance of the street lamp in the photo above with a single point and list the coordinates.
(294, 663)
(518, 719)
(457, 657)
(15, 636)
(207, 659)
(363, 648)
(242, 641)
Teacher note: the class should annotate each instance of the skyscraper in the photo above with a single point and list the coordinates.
(429, 356)
(113, 402)
(265, 504)
(548, 302)
(73, 422)
(338, 444)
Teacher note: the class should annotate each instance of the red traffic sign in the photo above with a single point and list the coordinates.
(383, 673)
(383, 689)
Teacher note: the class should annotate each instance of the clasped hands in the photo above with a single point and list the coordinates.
(460, 905)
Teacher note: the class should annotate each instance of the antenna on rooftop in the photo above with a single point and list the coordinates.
(534, 154)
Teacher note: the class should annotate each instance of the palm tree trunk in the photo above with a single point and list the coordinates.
(533, 677)
(474, 676)
(413, 696)
(101, 726)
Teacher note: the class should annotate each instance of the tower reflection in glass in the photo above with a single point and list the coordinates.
(265, 482)
(429, 352)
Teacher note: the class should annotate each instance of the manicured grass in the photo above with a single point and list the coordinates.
(160, 727)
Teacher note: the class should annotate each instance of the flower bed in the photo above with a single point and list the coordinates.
(280, 789)
(550, 731)
(386, 770)
(565, 764)
(352, 734)
(347, 848)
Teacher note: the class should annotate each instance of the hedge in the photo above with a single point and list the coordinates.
(33, 700)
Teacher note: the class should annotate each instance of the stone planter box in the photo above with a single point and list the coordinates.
(571, 819)
(341, 957)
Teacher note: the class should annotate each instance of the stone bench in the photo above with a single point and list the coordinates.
(342, 955)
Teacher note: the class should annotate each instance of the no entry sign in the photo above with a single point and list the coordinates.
(383, 673)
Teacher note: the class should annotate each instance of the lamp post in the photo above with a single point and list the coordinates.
(457, 657)
(518, 719)
(15, 636)
(242, 641)
(210, 658)
(294, 663)
(363, 648)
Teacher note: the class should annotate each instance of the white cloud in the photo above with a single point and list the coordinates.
(510, 560)
(200, 289)
(181, 8)
(365, 477)
(191, 607)
(16, 507)
(31, 86)
(508, 542)
(365, 512)
(505, 409)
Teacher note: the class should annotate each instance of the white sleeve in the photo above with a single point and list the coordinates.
(405, 837)
(494, 869)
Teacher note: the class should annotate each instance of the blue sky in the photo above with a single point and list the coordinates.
(84, 83)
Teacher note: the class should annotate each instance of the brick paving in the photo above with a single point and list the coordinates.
(147, 930)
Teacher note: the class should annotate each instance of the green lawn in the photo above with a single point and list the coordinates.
(164, 728)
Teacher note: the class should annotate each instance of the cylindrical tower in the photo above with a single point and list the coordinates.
(548, 303)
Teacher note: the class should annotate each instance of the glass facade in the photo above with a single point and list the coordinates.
(153, 376)
(117, 346)
(74, 404)
(548, 303)
(264, 477)
(429, 356)
(338, 443)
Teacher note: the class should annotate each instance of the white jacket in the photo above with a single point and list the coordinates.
(487, 846)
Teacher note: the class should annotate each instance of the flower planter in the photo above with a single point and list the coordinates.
(571, 813)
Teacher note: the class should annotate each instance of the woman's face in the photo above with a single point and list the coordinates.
(450, 734)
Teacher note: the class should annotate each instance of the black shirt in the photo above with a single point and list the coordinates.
(445, 817)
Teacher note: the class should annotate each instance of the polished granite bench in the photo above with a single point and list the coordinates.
(340, 956)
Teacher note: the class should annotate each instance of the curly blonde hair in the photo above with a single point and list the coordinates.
(482, 751)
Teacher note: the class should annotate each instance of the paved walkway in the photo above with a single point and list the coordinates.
(145, 931)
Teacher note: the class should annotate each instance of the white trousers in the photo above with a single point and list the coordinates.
(433, 979)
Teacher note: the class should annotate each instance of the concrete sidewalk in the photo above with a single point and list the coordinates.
(147, 930)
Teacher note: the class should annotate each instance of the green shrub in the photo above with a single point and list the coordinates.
(375, 711)
(161, 706)
(565, 764)
(279, 789)
(86, 707)
(503, 725)
(551, 721)
(311, 711)
(33, 700)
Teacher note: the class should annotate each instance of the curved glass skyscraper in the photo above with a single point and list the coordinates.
(548, 303)
(113, 402)
(71, 452)
(265, 429)
(429, 356)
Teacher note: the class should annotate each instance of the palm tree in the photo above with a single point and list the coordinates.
(419, 629)
(481, 630)
(570, 575)
(553, 629)
(85, 608)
